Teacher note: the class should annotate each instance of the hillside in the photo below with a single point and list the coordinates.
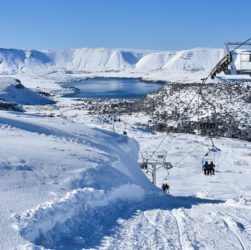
(56, 170)
(13, 94)
(88, 60)
(13, 91)
(65, 185)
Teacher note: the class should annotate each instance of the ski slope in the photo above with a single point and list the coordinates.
(65, 185)
(51, 170)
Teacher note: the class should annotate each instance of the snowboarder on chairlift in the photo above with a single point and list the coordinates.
(206, 168)
(212, 166)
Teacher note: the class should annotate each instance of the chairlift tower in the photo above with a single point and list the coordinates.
(241, 58)
(153, 162)
(235, 62)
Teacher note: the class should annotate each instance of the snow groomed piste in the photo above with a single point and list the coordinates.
(72, 183)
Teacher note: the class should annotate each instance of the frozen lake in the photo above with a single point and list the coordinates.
(112, 88)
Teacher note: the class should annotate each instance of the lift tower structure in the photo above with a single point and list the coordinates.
(235, 62)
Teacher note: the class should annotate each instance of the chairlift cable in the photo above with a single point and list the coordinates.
(182, 114)
(240, 45)
(185, 109)
(188, 105)
(176, 164)
(211, 139)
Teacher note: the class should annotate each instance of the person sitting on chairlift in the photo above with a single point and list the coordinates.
(165, 187)
(212, 166)
(206, 168)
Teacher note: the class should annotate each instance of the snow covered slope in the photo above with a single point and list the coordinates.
(108, 60)
(12, 91)
(64, 185)
(54, 172)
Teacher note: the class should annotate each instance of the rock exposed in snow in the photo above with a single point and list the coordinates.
(10, 106)
(166, 108)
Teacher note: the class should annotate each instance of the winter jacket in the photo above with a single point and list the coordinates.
(206, 166)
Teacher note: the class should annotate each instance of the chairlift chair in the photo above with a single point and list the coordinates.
(166, 182)
(143, 165)
(167, 165)
(209, 157)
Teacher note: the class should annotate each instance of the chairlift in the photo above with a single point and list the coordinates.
(208, 158)
(229, 63)
(165, 185)
(207, 125)
(143, 165)
(152, 164)
(160, 156)
(167, 165)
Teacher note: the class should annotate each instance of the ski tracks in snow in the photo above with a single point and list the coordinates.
(165, 224)
(152, 229)
(178, 215)
(231, 226)
(122, 225)
(238, 226)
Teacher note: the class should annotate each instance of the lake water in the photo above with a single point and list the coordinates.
(112, 88)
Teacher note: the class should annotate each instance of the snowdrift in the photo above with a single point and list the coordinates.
(60, 174)
(12, 91)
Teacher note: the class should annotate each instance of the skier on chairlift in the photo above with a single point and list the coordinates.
(206, 168)
(165, 186)
(211, 166)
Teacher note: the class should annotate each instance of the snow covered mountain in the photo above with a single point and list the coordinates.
(106, 60)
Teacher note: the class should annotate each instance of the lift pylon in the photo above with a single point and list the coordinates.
(235, 62)
(151, 163)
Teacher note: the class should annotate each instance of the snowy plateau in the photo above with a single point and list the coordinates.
(70, 177)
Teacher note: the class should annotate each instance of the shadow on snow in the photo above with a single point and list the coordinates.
(88, 229)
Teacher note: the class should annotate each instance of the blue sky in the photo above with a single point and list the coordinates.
(137, 24)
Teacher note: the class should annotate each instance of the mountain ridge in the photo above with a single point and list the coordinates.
(103, 60)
